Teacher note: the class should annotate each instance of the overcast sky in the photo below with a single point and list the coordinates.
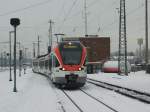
(68, 17)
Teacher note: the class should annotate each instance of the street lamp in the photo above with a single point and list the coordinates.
(10, 77)
(15, 22)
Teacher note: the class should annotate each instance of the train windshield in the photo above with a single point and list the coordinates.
(71, 53)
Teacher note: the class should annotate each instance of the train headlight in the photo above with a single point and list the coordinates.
(80, 69)
(63, 69)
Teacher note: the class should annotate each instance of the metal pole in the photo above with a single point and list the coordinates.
(125, 32)
(25, 60)
(19, 59)
(85, 10)
(5, 59)
(38, 45)
(50, 34)
(1, 60)
(33, 50)
(15, 89)
(146, 32)
(122, 60)
(10, 77)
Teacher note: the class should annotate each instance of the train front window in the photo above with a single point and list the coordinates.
(71, 54)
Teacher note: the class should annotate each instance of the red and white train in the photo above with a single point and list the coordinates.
(65, 65)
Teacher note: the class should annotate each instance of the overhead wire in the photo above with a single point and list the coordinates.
(99, 28)
(67, 15)
(129, 13)
(89, 6)
(25, 8)
(61, 9)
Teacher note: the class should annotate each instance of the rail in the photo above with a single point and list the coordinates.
(141, 96)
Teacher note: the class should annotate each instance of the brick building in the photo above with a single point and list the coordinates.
(98, 48)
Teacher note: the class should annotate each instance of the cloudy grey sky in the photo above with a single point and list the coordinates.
(68, 18)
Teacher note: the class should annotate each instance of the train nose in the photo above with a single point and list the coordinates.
(71, 78)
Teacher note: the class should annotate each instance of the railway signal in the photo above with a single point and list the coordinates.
(14, 22)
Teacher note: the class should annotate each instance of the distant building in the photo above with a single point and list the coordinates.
(98, 48)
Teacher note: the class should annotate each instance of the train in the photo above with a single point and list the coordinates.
(65, 65)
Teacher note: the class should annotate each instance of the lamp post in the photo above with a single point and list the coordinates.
(10, 77)
(14, 22)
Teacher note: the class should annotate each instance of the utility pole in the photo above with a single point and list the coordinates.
(38, 45)
(122, 59)
(5, 59)
(1, 60)
(50, 34)
(34, 50)
(85, 14)
(146, 32)
(25, 55)
(25, 60)
(20, 53)
(140, 42)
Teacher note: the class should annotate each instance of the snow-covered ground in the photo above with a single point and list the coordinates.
(34, 94)
(37, 94)
(135, 80)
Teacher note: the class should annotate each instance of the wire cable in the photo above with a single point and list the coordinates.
(25, 8)
(129, 13)
(67, 15)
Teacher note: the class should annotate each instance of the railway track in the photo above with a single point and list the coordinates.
(89, 95)
(75, 104)
(78, 107)
(141, 96)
